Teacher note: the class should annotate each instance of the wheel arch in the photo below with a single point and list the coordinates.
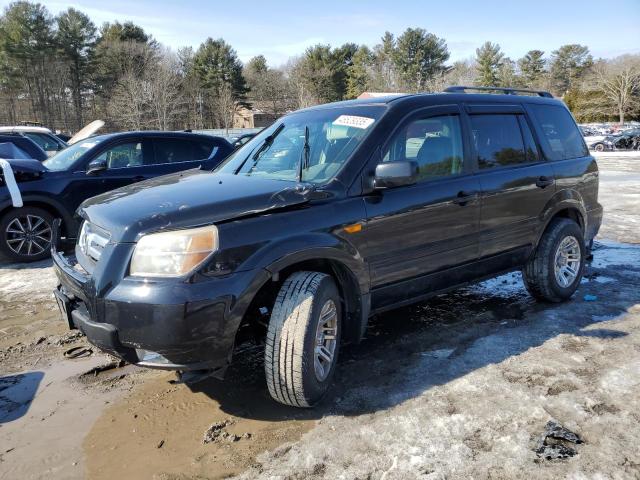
(570, 207)
(355, 299)
(50, 206)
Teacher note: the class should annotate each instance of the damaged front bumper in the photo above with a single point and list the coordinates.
(165, 324)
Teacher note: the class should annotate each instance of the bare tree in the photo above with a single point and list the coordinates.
(164, 84)
(619, 82)
(129, 103)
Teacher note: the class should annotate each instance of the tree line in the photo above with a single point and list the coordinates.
(63, 71)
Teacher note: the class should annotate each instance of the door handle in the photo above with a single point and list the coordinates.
(544, 182)
(464, 197)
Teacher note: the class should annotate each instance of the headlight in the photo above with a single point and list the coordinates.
(172, 254)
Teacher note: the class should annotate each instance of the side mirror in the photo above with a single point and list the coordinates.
(96, 166)
(395, 174)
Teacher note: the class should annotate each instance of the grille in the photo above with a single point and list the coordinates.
(92, 241)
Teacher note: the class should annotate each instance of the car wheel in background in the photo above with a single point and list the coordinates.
(303, 338)
(25, 234)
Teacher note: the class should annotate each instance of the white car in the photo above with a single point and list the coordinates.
(44, 137)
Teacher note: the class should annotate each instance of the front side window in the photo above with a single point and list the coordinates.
(498, 141)
(562, 136)
(124, 155)
(310, 146)
(434, 143)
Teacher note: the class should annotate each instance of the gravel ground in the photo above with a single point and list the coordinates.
(461, 386)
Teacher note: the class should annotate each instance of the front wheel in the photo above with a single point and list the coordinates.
(25, 234)
(554, 272)
(302, 339)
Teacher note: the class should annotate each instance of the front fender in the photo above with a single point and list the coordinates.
(278, 255)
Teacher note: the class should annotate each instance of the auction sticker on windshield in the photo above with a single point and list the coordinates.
(353, 121)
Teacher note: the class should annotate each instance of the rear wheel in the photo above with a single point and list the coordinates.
(26, 234)
(302, 339)
(554, 272)
(599, 147)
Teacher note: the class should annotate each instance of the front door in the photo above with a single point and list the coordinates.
(421, 229)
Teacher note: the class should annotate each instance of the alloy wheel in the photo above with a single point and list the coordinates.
(567, 261)
(28, 235)
(326, 340)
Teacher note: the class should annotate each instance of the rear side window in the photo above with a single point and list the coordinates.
(172, 150)
(498, 140)
(561, 135)
(203, 150)
(176, 150)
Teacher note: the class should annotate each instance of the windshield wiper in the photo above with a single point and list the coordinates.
(266, 143)
(304, 156)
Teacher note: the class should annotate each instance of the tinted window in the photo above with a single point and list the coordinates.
(173, 150)
(45, 142)
(529, 142)
(124, 155)
(202, 150)
(498, 140)
(563, 139)
(435, 143)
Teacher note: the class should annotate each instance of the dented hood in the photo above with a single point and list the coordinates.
(188, 199)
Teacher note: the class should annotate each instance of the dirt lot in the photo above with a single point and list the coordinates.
(461, 386)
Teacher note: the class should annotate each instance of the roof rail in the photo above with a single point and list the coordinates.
(505, 90)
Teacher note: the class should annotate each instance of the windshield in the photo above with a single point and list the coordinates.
(310, 146)
(64, 159)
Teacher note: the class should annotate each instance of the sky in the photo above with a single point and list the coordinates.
(281, 29)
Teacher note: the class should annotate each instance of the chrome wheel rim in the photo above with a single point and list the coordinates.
(567, 261)
(28, 235)
(326, 340)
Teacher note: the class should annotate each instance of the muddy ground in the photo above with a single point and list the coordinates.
(461, 386)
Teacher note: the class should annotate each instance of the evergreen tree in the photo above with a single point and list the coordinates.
(532, 68)
(488, 59)
(419, 57)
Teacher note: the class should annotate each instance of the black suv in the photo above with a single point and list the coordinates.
(55, 187)
(330, 215)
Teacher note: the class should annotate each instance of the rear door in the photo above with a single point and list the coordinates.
(416, 230)
(516, 181)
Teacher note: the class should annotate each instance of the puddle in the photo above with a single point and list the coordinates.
(45, 414)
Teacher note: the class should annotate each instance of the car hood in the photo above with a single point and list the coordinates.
(188, 199)
(26, 169)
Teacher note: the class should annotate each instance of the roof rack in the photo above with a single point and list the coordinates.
(505, 90)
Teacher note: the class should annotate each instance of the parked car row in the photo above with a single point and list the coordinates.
(332, 214)
(611, 137)
(49, 188)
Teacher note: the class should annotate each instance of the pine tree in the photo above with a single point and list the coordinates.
(488, 59)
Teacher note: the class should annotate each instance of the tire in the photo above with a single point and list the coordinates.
(292, 364)
(545, 276)
(599, 147)
(31, 224)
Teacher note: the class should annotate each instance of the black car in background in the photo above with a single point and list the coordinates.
(55, 187)
(19, 147)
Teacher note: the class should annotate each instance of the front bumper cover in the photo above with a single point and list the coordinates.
(167, 324)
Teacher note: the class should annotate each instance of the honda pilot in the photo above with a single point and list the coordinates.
(331, 215)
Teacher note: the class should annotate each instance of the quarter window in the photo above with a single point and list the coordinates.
(563, 139)
(434, 143)
(498, 140)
